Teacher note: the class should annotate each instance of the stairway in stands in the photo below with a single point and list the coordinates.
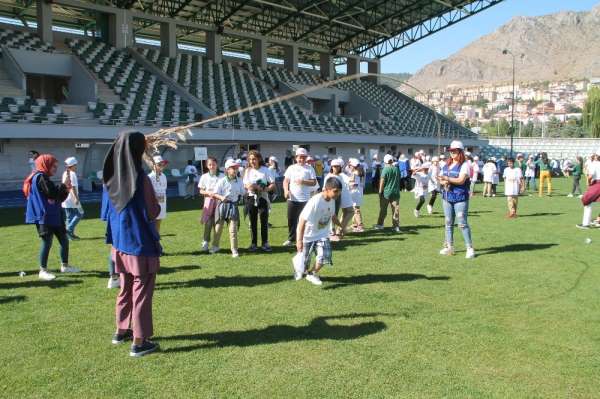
(8, 88)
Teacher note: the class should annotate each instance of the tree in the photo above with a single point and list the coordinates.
(504, 127)
(591, 112)
(467, 124)
(450, 115)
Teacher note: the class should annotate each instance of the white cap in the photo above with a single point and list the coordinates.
(309, 159)
(468, 153)
(71, 161)
(598, 151)
(442, 156)
(426, 165)
(519, 155)
(238, 161)
(434, 159)
(317, 157)
(301, 151)
(274, 159)
(337, 162)
(157, 159)
(422, 151)
(388, 158)
(457, 145)
(475, 158)
(375, 156)
(353, 162)
(231, 163)
(362, 158)
(325, 156)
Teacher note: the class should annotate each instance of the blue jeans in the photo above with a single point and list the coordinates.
(73, 217)
(111, 265)
(47, 235)
(457, 212)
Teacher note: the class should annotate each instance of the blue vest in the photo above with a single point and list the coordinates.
(403, 167)
(455, 193)
(40, 210)
(131, 231)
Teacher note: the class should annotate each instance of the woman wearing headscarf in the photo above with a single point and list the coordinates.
(132, 210)
(44, 199)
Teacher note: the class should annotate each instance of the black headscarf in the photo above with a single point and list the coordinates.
(122, 165)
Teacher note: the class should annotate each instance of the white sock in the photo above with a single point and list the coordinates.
(587, 215)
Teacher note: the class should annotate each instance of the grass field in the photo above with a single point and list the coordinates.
(393, 318)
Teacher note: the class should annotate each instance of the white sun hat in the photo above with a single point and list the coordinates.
(388, 158)
(71, 161)
(457, 145)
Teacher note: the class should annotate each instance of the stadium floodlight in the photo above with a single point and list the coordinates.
(512, 111)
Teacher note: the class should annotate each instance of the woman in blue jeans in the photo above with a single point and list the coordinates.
(454, 179)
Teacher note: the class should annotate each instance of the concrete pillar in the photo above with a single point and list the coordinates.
(334, 105)
(374, 67)
(44, 20)
(327, 70)
(168, 39)
(290, 58)
(213, 47)
(259, 53)
(352, 65)
(120, 28)
(103, 27)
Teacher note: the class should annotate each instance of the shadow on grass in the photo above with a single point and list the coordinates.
(16, 273)
(223, 282)
(318, 329)
(340, 282)
(360, 241)
(39, 283)
(515, 248)
(171, 270)
(9, 299)
(541, 214)
(91, 238)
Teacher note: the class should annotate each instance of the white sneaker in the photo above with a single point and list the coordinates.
(429, 209)
(416, 213)
(235, 254)
(397, 229)
(447, 251)
(45, 275)
(113, 283)
(287, 243)
(204, 246)
(69, 269)
(570, 195)
(313, 278)
(214, 250)
(470, 253)
(378, 227)
(298, 275)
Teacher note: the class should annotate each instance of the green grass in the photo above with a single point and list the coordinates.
(393, 318)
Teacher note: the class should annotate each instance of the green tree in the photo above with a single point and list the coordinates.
(503, 127)
(467, 123)
(450, 115)
(591, 112)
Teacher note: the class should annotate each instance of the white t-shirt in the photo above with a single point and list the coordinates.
(160, 189)
(208, 182)
(300, 192)
(489, 169)
(594, 170)
(70, 201)
(252, 176)
(512, 181)
(421, 184)
(232, 190)
(318, 213)
(191, 170)
(345, 196)
(530, 171)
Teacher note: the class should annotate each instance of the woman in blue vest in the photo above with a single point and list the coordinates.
(454, 179)
(132, 209)
(44, 199)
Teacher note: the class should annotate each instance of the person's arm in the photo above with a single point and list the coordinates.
(75, 191)
(152, 205)
(381, 184)
(53, 191)
(300, 234)
(286, 187)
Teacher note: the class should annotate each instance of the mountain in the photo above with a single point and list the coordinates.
(557, 46)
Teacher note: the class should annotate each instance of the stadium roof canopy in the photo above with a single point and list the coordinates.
(369, 28)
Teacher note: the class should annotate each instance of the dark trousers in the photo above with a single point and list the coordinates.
(294, 209)
(576, 189)
(47, 234)
(254, 212)
(433, 197)
(405, 183)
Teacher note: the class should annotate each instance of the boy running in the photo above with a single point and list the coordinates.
(313, 227)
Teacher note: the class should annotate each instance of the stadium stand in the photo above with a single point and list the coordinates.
(556, 148)
(23, 40)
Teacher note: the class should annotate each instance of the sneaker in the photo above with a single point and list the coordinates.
(447, 251)
(570, 195)
(470, 253)
(580, 196)
(69, 269)
(397, 229)
(378, 227)
(46, 275)
(214, 250)
(334, 238)
(142, 350)
(120, 338)
(204, 246)
(582, 226)
(252, 248)
(429, 209)
(298, 275)
(235, 254)
(287, 243)
(113, 283)
(266, 247)
(416, 213)
(314, 279)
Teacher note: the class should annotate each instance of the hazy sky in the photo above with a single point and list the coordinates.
(448, 41)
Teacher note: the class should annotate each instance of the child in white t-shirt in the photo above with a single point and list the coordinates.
(356, 184)
(159, 183)
(421, 188)
(512, 185)
(206, 186)
(313, 227)
(72, 205)
(228, 192)
(489, 172)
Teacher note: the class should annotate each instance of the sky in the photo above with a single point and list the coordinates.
(446, 42)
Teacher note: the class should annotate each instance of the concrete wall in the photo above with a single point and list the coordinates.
(40, 63)
(82, 85)
(359, 106)
(13, 69)
(301, 101)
